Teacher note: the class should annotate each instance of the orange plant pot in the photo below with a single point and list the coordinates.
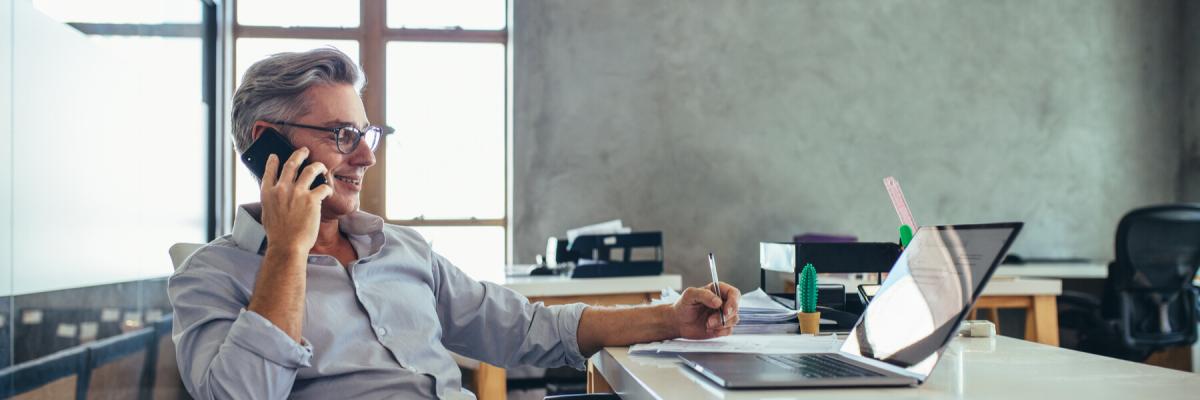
(810, 322)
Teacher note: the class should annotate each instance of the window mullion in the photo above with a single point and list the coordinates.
(372, 52)
(446, 35)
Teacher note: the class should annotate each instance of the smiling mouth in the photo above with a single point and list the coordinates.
(349, 180)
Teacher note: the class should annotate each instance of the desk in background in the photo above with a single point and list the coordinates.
(999, 367)
(1036, 296)
(490, 380)
(1088, 270)
(1097, 271)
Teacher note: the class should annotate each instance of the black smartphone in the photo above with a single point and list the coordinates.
(272, 142)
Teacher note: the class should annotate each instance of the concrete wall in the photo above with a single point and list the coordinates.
(725, 123)
(1189, 172)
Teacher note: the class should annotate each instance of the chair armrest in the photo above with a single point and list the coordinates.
(1079, 299)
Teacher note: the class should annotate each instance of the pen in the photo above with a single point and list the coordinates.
(712, 268)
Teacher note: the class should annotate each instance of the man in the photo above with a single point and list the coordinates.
(311, 298)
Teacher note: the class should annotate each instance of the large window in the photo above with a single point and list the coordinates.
(118, 109)
(106, 137)
(436, 71)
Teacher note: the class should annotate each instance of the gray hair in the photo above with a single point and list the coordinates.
(273, 88)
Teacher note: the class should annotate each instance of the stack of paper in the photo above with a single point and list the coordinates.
(757, 313)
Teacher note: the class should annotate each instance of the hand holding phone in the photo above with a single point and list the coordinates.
(291, 193)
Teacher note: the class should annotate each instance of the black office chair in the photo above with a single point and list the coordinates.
(1149, 301)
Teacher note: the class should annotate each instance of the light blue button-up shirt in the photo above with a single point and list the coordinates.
(382, 327)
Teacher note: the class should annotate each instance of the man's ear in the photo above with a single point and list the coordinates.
(257, 129)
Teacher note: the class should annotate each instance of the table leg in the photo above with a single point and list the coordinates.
(595, 381)
(1031, 333)
(490, 383)
(994, 316)
(1045, 319)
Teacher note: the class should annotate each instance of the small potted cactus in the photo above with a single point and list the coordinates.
(806, 301)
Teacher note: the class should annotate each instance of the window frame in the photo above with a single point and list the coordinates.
(209, 31)
(373, 34)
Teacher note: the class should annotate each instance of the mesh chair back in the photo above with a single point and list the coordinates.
(1150, 283)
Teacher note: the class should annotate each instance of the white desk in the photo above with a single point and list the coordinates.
(1090, 270)
(975, 368)
(490, 380)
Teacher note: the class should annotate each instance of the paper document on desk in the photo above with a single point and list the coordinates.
(761, 344)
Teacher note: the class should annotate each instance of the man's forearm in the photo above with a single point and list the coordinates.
(279, 290)
(600, 327)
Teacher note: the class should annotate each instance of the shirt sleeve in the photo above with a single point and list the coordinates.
(499, 326)
(223, 350)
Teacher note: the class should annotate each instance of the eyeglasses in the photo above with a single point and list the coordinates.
(347, 137)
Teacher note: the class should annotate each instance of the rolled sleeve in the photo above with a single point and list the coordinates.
(223, 350)
(568, 332)
(254, 333)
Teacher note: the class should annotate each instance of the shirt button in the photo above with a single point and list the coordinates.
(381, 331)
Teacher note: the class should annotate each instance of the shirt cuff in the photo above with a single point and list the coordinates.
(256, 334)
(568, 324)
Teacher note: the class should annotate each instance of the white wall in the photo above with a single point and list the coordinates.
(108, 154)
(6, 227)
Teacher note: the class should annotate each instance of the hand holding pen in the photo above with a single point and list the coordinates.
(712, 269)
(707, 312)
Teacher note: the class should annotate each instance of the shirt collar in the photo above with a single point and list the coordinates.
(248, 232)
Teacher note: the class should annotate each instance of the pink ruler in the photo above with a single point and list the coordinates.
(898, 202)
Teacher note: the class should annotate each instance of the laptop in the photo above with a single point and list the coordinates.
(901, 335)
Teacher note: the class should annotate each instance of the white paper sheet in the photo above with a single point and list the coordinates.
(762, 344)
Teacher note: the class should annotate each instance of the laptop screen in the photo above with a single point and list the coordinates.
(930, 288)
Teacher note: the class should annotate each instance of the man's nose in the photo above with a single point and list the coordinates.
(363, 156)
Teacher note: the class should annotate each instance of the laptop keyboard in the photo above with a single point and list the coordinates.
(818, 366)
